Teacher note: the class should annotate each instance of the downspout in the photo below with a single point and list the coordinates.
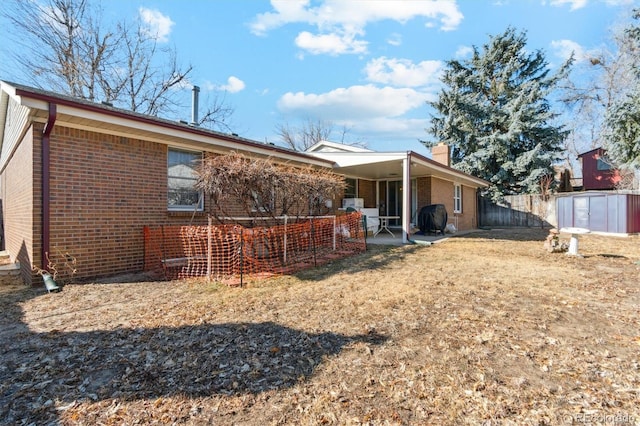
(46, 174)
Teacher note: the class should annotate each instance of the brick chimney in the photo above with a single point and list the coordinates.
(441, 153)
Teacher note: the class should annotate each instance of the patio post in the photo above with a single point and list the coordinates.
(406, 198)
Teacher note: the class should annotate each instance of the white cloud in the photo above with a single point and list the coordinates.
(403, 72)
(338, 22)
(565, 48)
(392, 127)
(355, 102)
(357, 14)
(619, 2)
(332, 44)
(158, 25)
(377, 114)
(395, 39)
(575, 4)
(286, 11)
(464, 52)
(234, 85)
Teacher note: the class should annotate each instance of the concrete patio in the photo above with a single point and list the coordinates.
(386, 238)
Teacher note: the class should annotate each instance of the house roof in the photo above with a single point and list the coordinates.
(389, 165)
(328, 146)
(590, 151)
(21, 101)
(19, 105)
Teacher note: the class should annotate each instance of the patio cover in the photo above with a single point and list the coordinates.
(405, 165)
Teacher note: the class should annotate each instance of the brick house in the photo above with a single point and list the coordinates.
(84, 178)
(379, 179)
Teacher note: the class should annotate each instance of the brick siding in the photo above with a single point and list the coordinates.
(432, 190)
(104, 189)
(20, 201)
(367, 191)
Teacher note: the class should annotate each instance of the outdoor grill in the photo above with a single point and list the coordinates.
(432, 218)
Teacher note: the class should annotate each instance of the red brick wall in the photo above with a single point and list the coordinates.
(468, 219)
(423, 192)
(432, 190)
(442, 193)
(104, 189)
(20, 202)
(367, 191)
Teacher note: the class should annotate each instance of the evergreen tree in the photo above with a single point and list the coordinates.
(494, 115)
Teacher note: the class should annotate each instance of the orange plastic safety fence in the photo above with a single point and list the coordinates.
(231, 252)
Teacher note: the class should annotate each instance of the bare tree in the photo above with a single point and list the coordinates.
(263, 189)
(65, 46)
(311, 132)
(217, 115)
(597, 82)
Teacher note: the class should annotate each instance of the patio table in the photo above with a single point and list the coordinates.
(384, 224)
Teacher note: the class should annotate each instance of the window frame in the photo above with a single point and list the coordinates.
(602, 165)
(199, 207)
(457, 198)
(348, 186)
(260, 206)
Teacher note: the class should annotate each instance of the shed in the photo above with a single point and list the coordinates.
(599, 211)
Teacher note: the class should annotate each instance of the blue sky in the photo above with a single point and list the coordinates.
(369, 66)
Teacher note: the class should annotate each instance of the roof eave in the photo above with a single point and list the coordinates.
(38, 100)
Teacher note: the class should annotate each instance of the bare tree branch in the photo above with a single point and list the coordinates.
(263, 189)
(309, 133)
(65, 46)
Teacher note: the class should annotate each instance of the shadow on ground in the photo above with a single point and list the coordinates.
(42, 370)
(377, 256)
(511, 234)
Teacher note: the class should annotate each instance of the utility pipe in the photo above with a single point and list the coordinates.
(46, 176)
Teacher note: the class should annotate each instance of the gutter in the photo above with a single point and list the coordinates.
(46, 175)
(244, 144)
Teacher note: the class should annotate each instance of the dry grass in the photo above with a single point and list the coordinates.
(483, 329)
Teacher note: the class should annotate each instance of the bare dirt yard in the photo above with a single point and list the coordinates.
(487, 328)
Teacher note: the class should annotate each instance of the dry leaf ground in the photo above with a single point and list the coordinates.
(488, 328)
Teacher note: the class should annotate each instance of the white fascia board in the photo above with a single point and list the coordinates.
(338, 147)
(346, 159)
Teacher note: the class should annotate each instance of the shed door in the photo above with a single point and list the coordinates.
(598, 214)
(581, 212)
(590, 213)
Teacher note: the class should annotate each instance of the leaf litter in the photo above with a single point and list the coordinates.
(487, 328)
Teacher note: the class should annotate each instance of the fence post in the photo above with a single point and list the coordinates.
(285, 239)
(313, 242)
(334, 233)
(209, 254)
(241, 256)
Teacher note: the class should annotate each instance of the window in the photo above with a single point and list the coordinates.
(351, 190)
(602, 164)
(260, 204)
(181, 194)
(457, 198)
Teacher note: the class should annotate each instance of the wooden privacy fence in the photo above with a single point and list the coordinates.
(230, 252)
(518, 210)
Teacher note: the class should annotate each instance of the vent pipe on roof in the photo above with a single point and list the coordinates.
(194, 105)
